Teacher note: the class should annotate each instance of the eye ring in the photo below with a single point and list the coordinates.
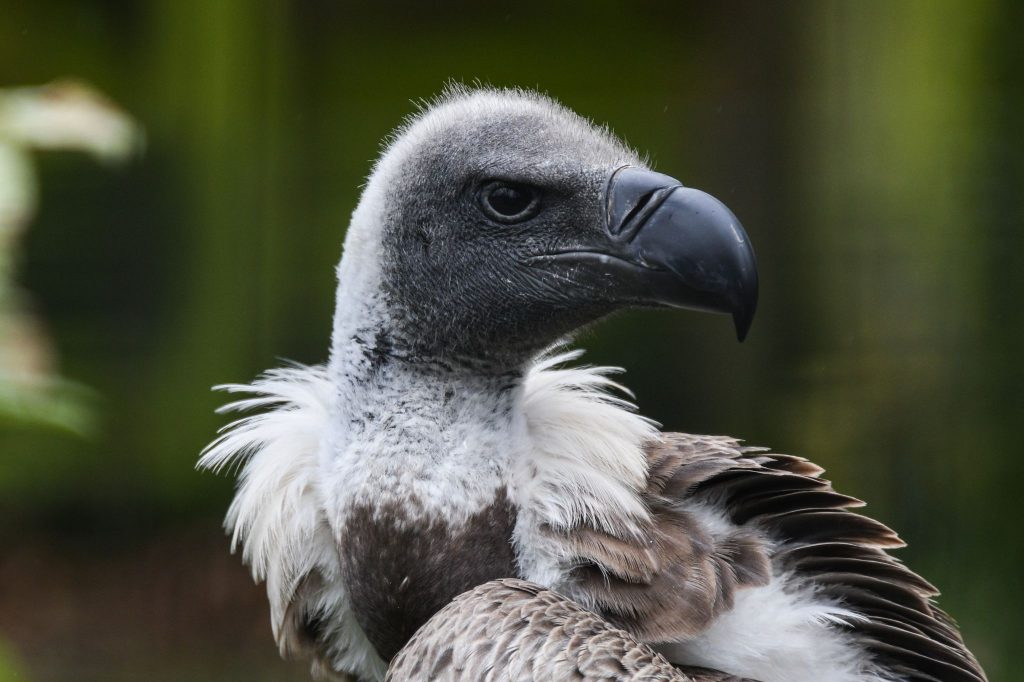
(509, 202)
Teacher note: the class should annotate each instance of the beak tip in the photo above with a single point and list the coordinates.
(743, 318)
(743, 313)
(742, 327)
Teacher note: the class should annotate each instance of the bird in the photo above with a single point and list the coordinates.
(511, 629)
(452, 438)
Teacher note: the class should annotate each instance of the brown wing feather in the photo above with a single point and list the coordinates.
(514, 630)
(671, 581)
(845, 555)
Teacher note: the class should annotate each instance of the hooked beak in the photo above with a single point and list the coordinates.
(667, 245)
(695, 251)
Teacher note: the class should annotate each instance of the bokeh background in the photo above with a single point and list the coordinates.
(874, 150)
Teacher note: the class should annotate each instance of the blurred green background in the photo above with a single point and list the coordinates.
(873, 150)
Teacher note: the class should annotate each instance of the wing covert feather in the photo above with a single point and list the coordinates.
(511, 629)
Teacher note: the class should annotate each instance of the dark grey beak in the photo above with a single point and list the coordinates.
(695, 251)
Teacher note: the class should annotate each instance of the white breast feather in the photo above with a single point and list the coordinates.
(780, 632)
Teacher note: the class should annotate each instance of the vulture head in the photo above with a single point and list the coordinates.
(496, 221)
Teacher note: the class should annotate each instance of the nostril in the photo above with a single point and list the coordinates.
(646, 205)
(632, 195)
(634, 212)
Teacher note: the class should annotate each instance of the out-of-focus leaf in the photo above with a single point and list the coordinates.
(61, 115)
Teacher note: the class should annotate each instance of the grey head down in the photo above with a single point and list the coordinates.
(498, 221)
(441, 450)
(457, 279)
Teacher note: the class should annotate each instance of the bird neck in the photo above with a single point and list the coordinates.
(372, 350)
(433, 435)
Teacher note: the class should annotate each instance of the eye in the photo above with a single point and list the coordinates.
(509, 202)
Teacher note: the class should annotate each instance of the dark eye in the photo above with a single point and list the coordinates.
(509, 202)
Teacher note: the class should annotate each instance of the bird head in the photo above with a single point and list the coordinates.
(497, 221)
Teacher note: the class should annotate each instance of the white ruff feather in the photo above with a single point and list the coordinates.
(277, 515)
(586, 462)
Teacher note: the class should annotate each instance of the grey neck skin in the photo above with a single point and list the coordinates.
(371, 347)
(371, 352)
(378, 370)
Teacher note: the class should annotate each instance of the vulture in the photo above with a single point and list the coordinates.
(450, 440)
